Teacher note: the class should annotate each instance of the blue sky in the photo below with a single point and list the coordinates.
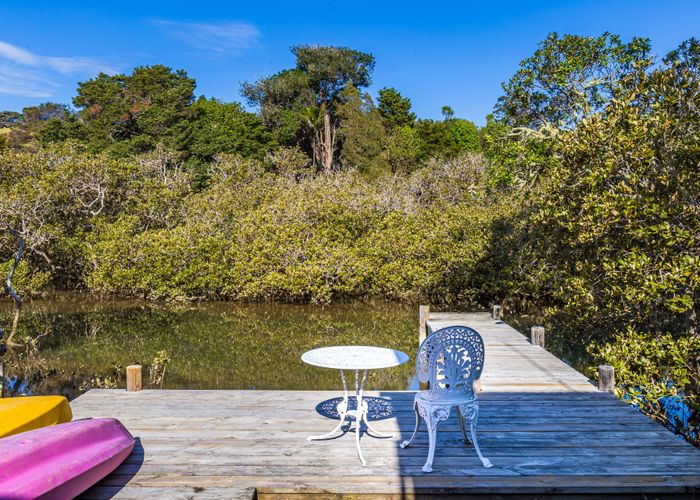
(436, 53)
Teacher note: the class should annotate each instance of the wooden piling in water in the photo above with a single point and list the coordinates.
(133, 378)
(537, 336)
(497, 311)
(606, 379)
(423, 317)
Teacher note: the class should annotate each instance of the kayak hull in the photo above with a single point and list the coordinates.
(22, 414)
(62, 461)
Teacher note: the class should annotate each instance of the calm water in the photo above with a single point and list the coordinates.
(78, 342)
(72, 343)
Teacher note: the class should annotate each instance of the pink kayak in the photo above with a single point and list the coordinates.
(63, 460)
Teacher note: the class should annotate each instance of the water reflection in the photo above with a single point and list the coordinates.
(76, 342)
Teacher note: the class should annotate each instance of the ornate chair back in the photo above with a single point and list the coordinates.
(451, 359)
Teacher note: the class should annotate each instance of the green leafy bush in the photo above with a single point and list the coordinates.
(256, 235)
(25, 282)
(653, 371)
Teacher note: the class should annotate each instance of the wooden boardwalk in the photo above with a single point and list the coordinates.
(512, 363)
(547, 430)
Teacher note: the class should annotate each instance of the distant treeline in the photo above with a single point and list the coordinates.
(317, 107)
(579, 199)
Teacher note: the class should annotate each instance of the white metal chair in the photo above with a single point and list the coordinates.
(450, 359)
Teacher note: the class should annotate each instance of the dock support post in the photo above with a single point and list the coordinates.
(537, 336)
(133, 378)
(423, 317)
(496, 312)
(606, 379)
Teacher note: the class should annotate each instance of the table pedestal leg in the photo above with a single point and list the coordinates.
(342, 411)
(371, 429)
(360, 413)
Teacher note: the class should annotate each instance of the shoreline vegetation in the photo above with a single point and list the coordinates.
(579, 200)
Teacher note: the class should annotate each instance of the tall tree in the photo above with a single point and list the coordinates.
(25, 131)
(9, 118)
(395, 109)
(686, 61)
(569, 78)
(448, 113)
(402, 148)
(447, 138)
(361, 133)
(146, 108)
(308, 95)
(621, 216)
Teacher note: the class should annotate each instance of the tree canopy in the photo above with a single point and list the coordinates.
(568, 78)
(395, 109)
(136, 111)
(308, 95)
(302, 108)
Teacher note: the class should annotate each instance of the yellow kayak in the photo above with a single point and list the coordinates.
(27, 413)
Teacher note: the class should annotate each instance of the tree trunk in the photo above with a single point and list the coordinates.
(328, 142)
(10, 291)
(323, 140)
(316, 148)
(9, 341)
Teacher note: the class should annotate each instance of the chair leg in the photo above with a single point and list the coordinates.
(474, 417)
(431, 421)
(463, 427)
(405, 444)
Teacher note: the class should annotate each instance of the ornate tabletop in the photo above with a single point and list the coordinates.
(354, 357)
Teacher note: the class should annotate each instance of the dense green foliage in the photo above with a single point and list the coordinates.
(570, 78)
(609, 246)
(361, 133)
(316, 107)
(304, 102)
(137, 111)
(578, 199)
(395, 109)
(154, 106)
(631, 177)
(140, 229)
(657, 373)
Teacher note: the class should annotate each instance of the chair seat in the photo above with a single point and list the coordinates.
(447, 398)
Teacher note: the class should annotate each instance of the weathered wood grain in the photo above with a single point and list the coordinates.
(133, 378)
(546, 428)
(606, 378)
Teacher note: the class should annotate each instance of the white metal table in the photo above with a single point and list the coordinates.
(359, 359)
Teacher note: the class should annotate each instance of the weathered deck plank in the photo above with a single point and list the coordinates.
(545, 427)
(512, 363)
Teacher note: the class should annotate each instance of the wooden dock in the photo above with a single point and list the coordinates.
(545, 427)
